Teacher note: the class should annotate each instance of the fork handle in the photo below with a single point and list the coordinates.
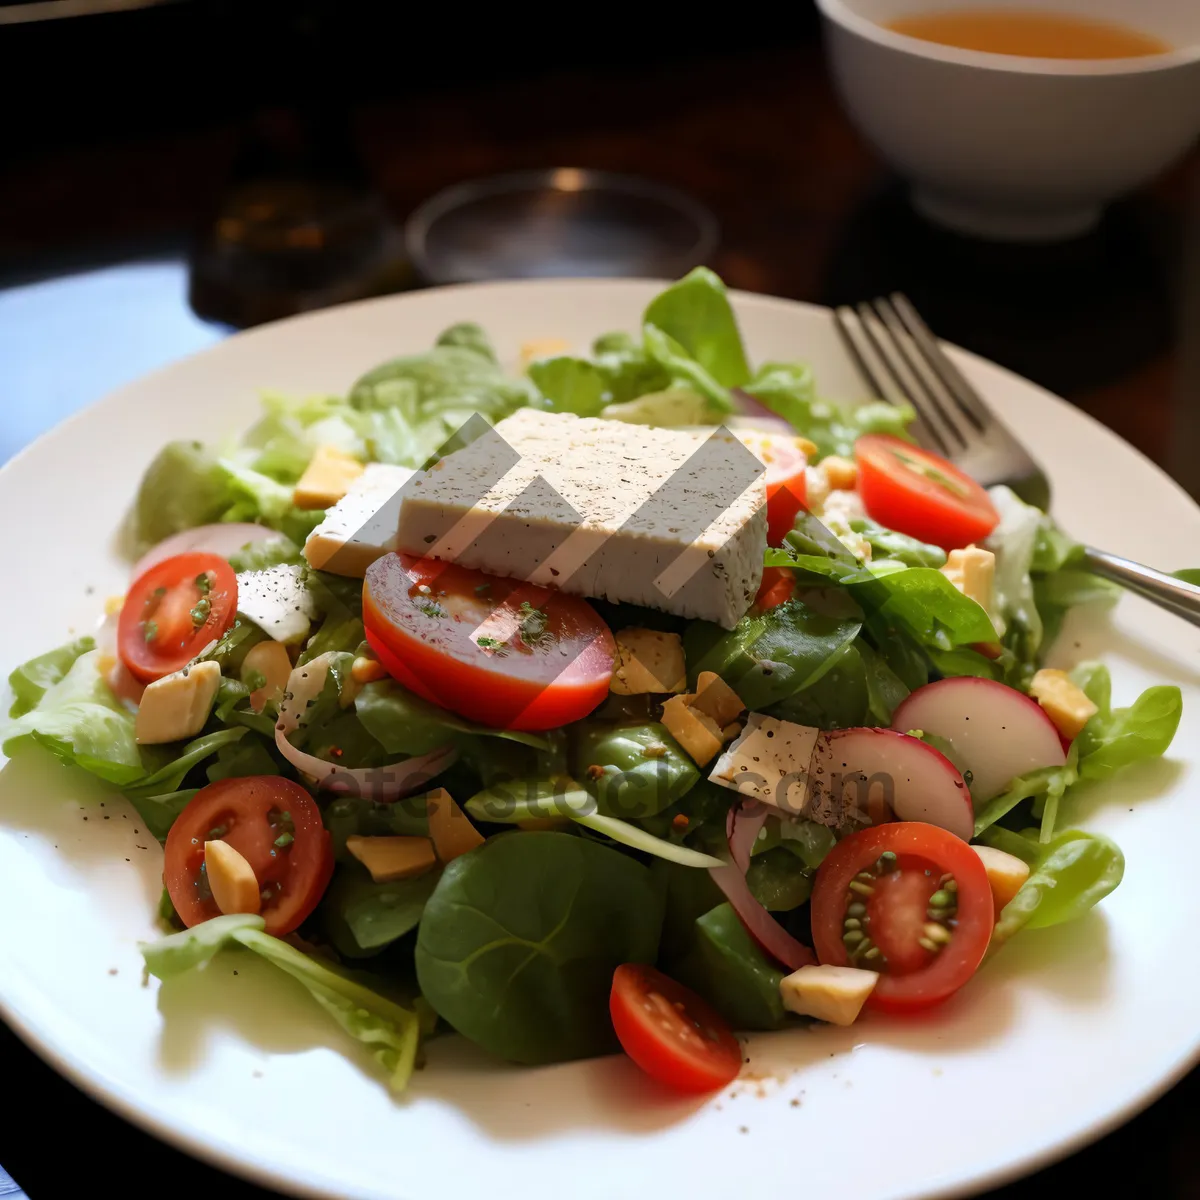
(1183, 599)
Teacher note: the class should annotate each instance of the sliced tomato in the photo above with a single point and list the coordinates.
(670, 1032)
(497, 651)
(787, 494)
(910, 901)
(173, 611)
(919, 493)
(275, 825)
(777, 587)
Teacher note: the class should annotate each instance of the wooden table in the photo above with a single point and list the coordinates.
(1112, 323)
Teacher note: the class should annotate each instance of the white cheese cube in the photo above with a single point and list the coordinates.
(833, 994)
(1063, 701)
(664, 518)
(361, 527)
(648, 661)
(770, 761)
(277, 602)
(176, 706)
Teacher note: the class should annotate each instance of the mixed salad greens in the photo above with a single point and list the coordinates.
(425, 854)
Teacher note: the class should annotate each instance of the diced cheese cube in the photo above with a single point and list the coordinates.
(1006, 873)
(716, 698)
(272, 661)
(276, 600)
(659, 517)
(231, 878)
(648, 660)
(327, 478)
(176, 706)
(973, 572)
(833, 994)
(450, 828)
(1063, 701)
(392, 858)
(367, 670)
(770, 761)
(842, 473)
(694, 730)
(542, 348)
(361, 527)
(816, 488)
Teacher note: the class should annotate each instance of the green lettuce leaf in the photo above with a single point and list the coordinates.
(183, 487)
(571, 385)
(79, 721)
(389, 1031)
(270, 552)
(696, 314)
(1069, 875)
(30, 681)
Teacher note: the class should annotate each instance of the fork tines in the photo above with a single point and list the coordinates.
(899, 359)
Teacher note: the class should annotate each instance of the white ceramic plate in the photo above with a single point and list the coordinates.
(1067, 1033)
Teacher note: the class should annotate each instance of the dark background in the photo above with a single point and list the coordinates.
(120, 132)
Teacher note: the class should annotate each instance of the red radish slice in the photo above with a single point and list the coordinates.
(381, 784)
(918, 782)
(742, 828)
(221, 539)
(995, 731)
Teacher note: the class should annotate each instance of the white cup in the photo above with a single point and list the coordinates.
(1014, 148)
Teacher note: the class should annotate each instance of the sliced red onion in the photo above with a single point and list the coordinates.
(742, 828)
(381, 784)
(221, 539)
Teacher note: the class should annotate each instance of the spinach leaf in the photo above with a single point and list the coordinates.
(362, 917)
(348, 816)
(159, 812)
(779, 880)
(888, 544)
(520, 938)
(468, 336)
(770, 656)
(633, 770)
(727, 968)
(1112, 740)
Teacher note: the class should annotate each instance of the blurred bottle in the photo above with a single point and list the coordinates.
(298, 225)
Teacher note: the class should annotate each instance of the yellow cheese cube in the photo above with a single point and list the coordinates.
(694, 730)
(833, 994)
(231, 878)
(1006, 873)
(1063, 701)
(326, 479)
(717, 699)
(842, 473)
(648, 661)
(973, 572)
(449, 827)
(542, 348)
(392, 858)
(176, 706)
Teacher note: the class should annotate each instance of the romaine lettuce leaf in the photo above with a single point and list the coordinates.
(391, 1032)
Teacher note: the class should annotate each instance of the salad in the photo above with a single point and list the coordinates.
(626, 701)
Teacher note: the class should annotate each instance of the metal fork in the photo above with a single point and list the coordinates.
(888, 341)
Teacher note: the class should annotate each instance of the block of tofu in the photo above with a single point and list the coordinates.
(665, 518)
(176, 706)
(327, 478)
(1063, 701)
(770, 761)
(648, 661)
(833, 994)
(361, 527)
(277, 602)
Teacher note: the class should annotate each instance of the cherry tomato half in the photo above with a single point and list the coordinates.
(917, 894)
(785, 480)
(173, 611)
(670, 1032)
(498, 651)
(275, 825)
(777, 587)
(919, 493)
